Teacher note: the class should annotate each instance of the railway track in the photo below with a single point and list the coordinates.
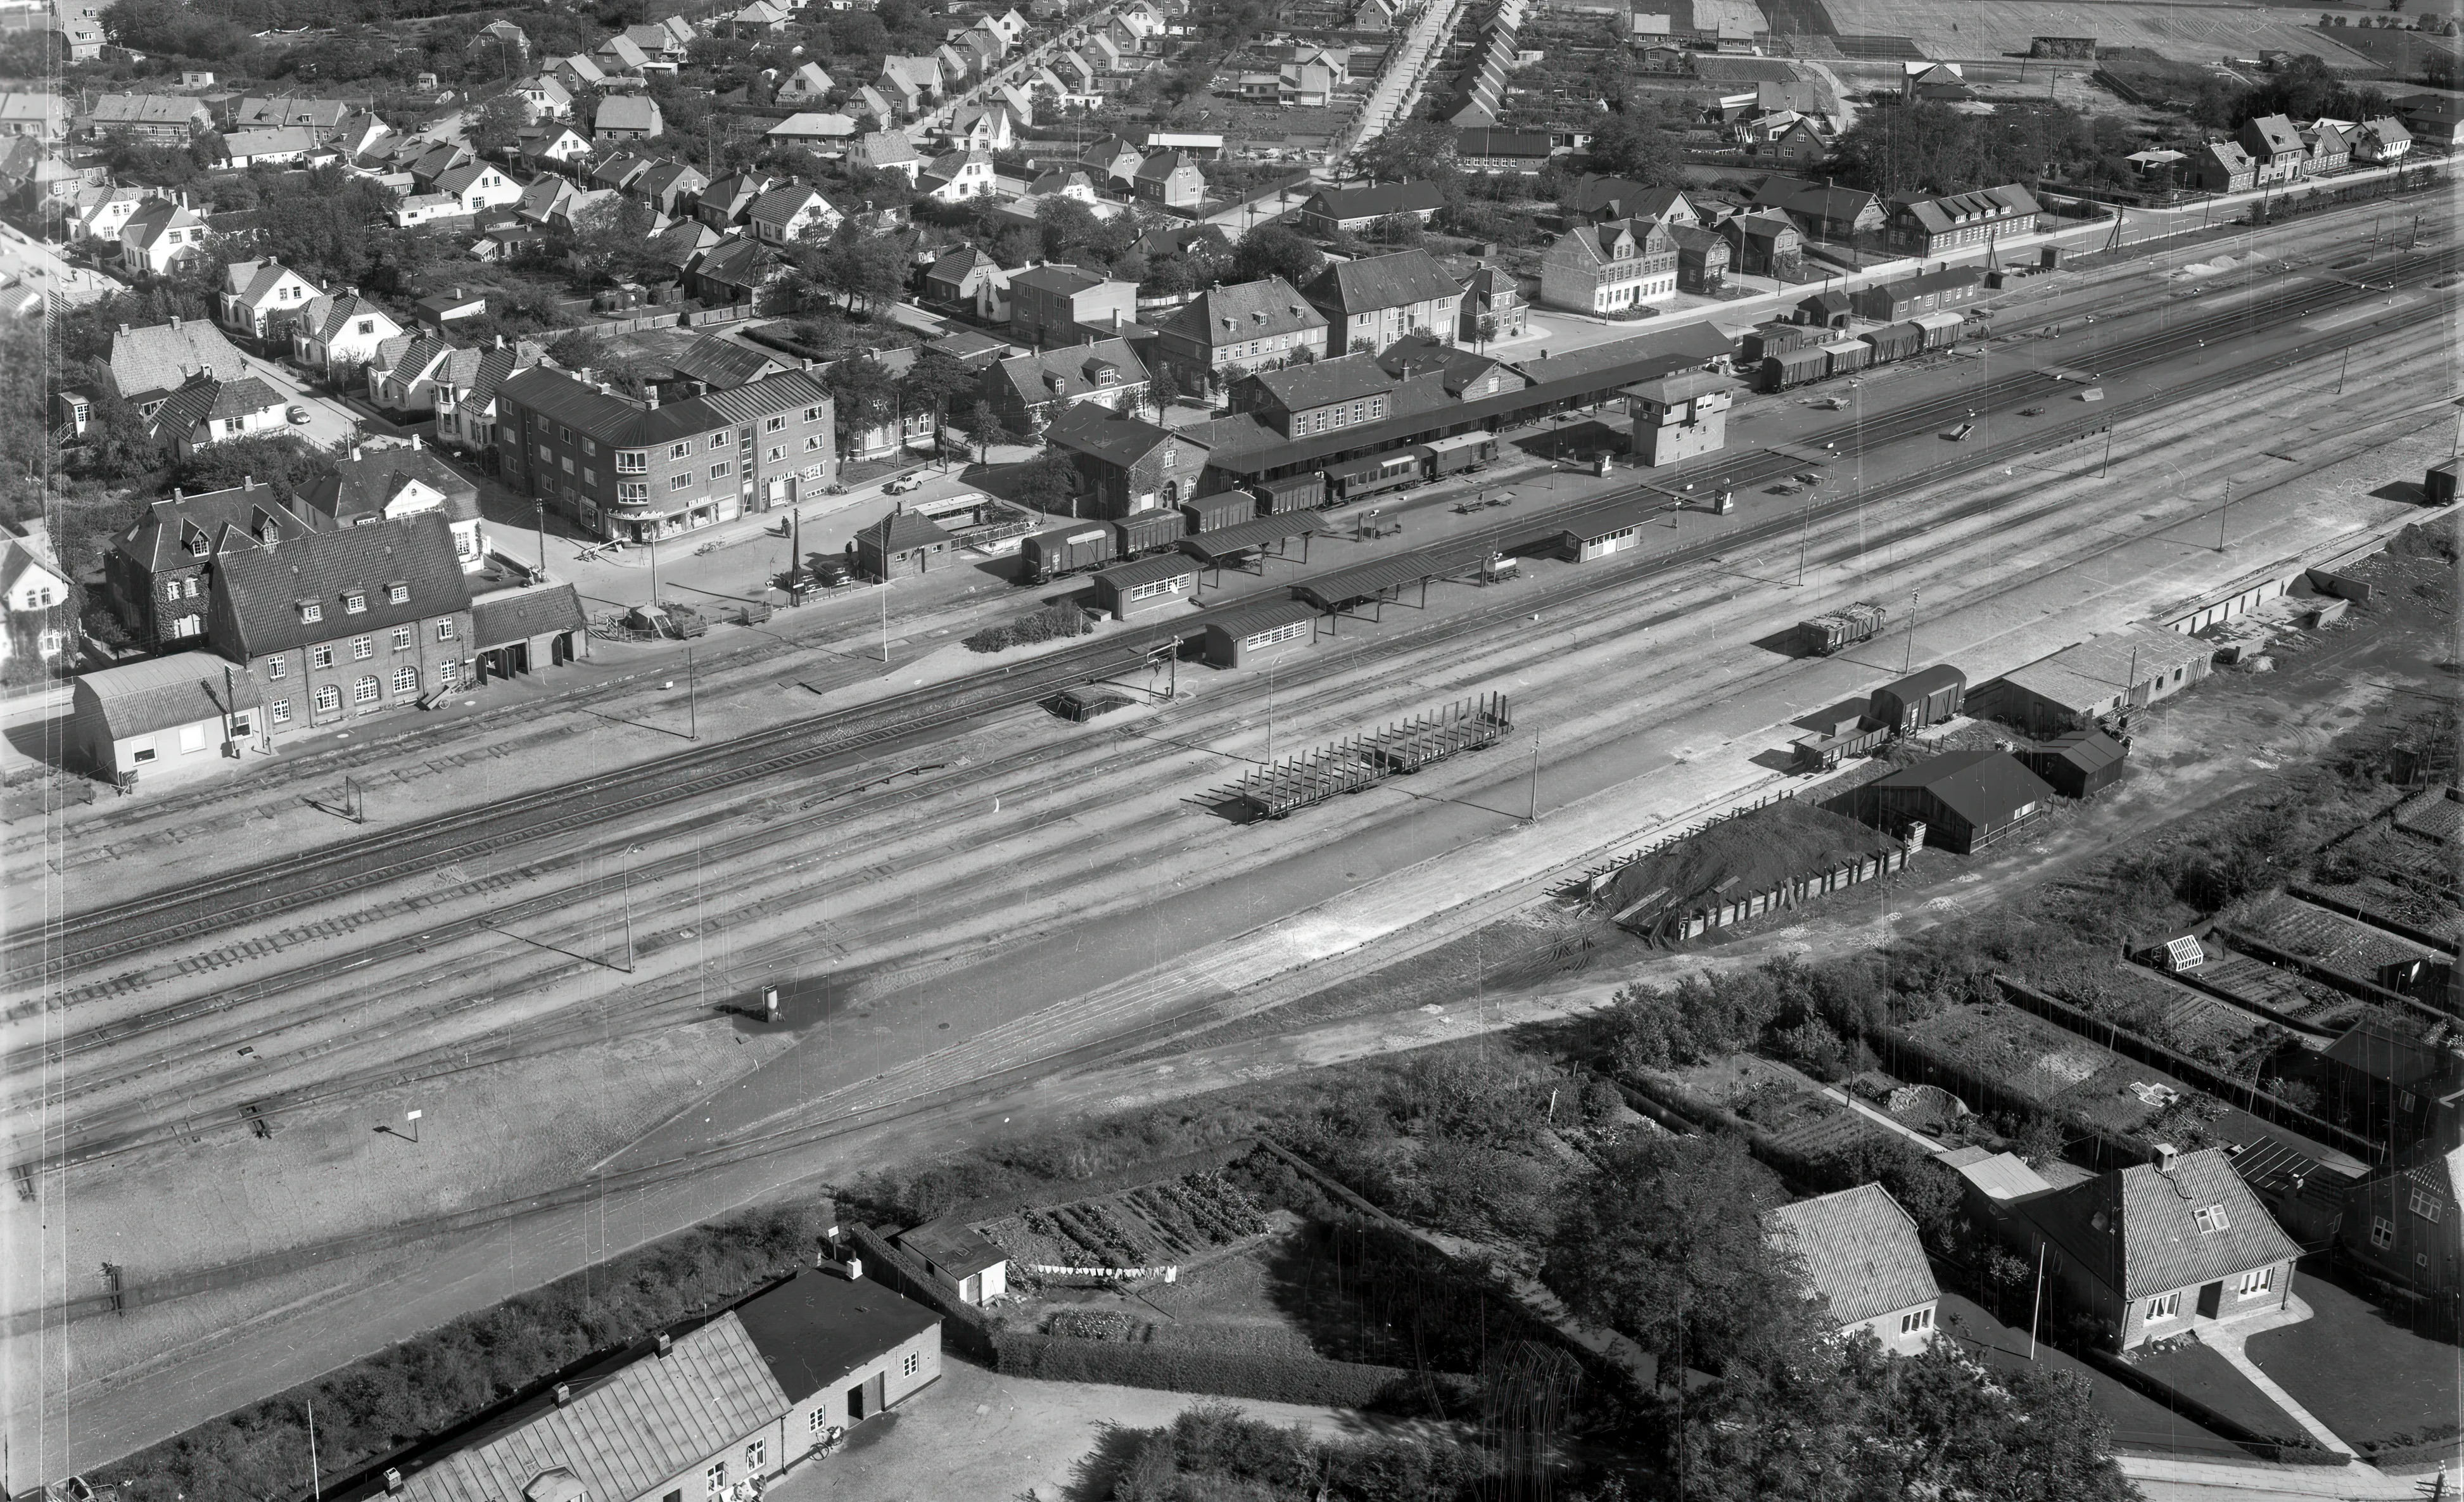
(100, 934)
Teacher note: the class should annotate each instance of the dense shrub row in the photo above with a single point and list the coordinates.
(1053, 622)
(1258, 1376)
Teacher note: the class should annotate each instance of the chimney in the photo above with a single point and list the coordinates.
(2167, 1157)
(564, 1394)
(393, 1479)
(178, 495)
(500, 341)
(123, 328)
(175, 321)
(666, 1345)
(414, 443)
(854, 1268)
(357, 454)
(248, 482)
(650, 398)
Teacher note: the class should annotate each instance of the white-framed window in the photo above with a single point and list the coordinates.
(402, 638)
(365, 692)
(275, 668)
(398, 593)
(777, 454)
(2258, 1281)
(632, 462)
(329, 699)
(310, 611)
(363, 648)
(2427, 1203)
(812, 414)
(714, 1480)
(812, 442)
(722, 470)
(406, 681)
(2210, 1218)
(681, 450)
(910, 1364)
(632, 490)
(1919, 1319)
(355, 603)
(684, 481)
(2164, 1307)
(818, 1420)
(778, 424)
(1290, 630)
(744, 439)
(282, 711)
(757, 1454)
(1154, 587)
(320, 656)
(445, 630)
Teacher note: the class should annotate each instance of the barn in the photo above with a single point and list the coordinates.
(1965, 799)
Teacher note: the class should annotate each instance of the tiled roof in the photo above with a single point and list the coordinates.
(361, 485)
(2138, 1227)
(455, 180)
(1114, 437)
(148, 223)
(162, 538)
(253, 280)
(888, 147)
(1070, 372)
(1263, 309)
(1300, 387)
(263, 588)
(1063, 280)
(626, 112)
(621, 424)
(781, 204)
(1860, 1251)
(214, 401)
(625, 1434)
(144, 109)
(739, 262)
(1937, 215)
(1383, 281)
(2229, 155)
(510, 615)
(139, 697)
(900, 530)
(270, 143)
(1376, 202)
(2277, 133)
(1814, 200)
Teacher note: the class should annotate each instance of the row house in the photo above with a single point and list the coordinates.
(635, 471)
(261, 300)
(1028, 391)
(1372, 301)
(2275, 147)
(155, 119)
(1925, 228)
(1610, 268)
(343, 624)
(1224, 333)
(160, 574)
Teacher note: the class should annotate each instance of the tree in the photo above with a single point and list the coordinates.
(1275, 250)
(282, 460)
(1163, 388)
(1414, 151)
(1486, 329)
(982, 426)
(494, 125)
(865, 397)
(1397, 228)
(934, 382)
(1050, 483)
(868, 270)
(1629, 144)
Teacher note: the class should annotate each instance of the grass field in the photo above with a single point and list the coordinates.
(2194, 32)
(2201, 1375)
(2375, 1383)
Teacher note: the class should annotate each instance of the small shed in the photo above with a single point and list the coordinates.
(1926, 696)
(152, 714)
(2438, 484)
(901, 544)
(1611, 530)
(972, 1267)
(1965, 799)
(2079, 762)
(1245, 637)
(522, 631)
(1144, 585)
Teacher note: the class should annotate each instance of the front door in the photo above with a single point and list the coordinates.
(2211, 1300)
(856, 1406)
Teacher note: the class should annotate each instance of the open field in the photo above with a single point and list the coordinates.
(1995, 27)
(2361, 1372)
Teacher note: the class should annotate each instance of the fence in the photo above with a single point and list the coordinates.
(963, 1325)
(1789, 893)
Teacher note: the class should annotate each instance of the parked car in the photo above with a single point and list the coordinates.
(298, 415)
(904, 483)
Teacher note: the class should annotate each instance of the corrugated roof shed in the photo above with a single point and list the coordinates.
(141, 698)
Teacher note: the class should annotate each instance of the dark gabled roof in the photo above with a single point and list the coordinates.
(958, 265)
(2090, 750)
(955, 1251)
(719, 362)
(2276, 132)
(2405, 1062)
(1116, 438)
(206, 401)
(1593, 192)
(2137, 1228)
(263, 588)
(1069, 371)
(1419, 354)
(739, 262)
(1383, 281)
(817, 1327)
(1985, 787)
(517, 614)
(1859, 1250)
(1530, 144)
(362, 484)
(1263, 309)
(1936, 215)
(1300, 387)
(163, 357)
(1376, 202)
(1814, 200)
(901, 531)
(160, 538)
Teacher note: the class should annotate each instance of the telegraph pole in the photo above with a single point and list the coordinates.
(692, 712)
(1535, 778)
(1908, 663)
(2221, 513)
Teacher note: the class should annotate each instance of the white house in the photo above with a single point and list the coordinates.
(35, 592)
(956, 176)
(808, 84)
(338, 333)
(1610, 268)
(283, 144)
(785, 216)
(1860, 1253)
(207, 411)
(980, 128)
(161, 235)
(261, 299)
(477, 185)
(560, 144)
(104, 217)
(544, 97)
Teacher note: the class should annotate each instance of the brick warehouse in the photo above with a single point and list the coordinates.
(633, 471)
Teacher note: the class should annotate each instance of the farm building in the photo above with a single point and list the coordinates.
(1247, 636)
(153, 715)
(1966, 799)
(733, 1401)
(902, 543)
(1862, 1254)
(2157, 1250)
(1926, 696)
(974, 1269)
(1144, 585)
(2103, 679)
(2077, 762)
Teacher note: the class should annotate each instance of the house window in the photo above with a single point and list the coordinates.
(397, 593)
(2405, 1102)
(2164, 1307)
(355, 603)
(1911, 1323)
(365, 692)
(563, 433)
(402, 638)
(283, 712)
(2210, 1218)
(2427, 1203)
(632, 490)
(721, 470)
(143, 754)
(445, 630)
(307, 612)
(406, 681)
(775, 454)
(2258, 1281)
(813, 441)
(680, 451)
(275, 668)
(589, 446)
(329, 699)
(714, 1480)
(744, 439)
(757, 1453)
(812, 414)
(363, 648)
(632, 462)
(817, 1421)
(589, 478)
(778, 424)
(682, 481)
(320, 656)
(367, 325)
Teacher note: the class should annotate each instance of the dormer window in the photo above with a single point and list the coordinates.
(355, 602)
(398, 594)
(311, 611)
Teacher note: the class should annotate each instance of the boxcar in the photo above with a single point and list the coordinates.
(1147, 531)
(1846, 356)
(1291, 493)
(1225, 508)
(1926, 696)
(1795, 368)
(1897, 342)
(1941, 329)
(1061, 550)
(1460, 453)
(1765, 340)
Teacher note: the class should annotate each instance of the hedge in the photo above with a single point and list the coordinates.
(1260, 1376)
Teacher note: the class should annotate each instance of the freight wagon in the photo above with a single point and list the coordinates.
(1783, 366)
(1795, 368)
(1941, 329)
(1926, 696)
(1848, 356)
(1896, 341)
(1144, 532)
(1824, 634)
(1765, 340)
(1046, 556)
(1079, 546)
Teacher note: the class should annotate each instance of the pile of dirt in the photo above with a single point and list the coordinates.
(2421, 540)
(1735, 857)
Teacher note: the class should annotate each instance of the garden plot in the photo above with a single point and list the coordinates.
(2049, 1067)
(2290, 992)
(2347, 945)
(1154, 1226)
(2194, 32)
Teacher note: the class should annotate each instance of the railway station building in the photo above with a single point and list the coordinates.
(1146, 585)
(2102, 680)
(1127, 464)
(1255, 634)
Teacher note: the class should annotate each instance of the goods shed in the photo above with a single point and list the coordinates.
(1144, 585)
(146, 716)
(2077, 762)
(522, 631)
(1613, 530)
(1243, 637)
(1252, 539)
(2102, 680)
(1926, 696)
(1370, 584)
(1966, 799)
